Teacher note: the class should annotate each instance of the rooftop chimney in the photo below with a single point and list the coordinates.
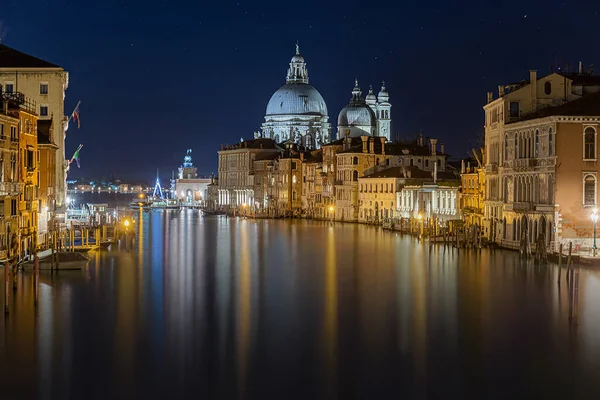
(302, 156)
(433, 146)
(580, 67)
(382, 145)
(533, 88)
(442, 148)
(364, 143)
(500, 90)
(490, 97)
(371, 145)
(462, 166)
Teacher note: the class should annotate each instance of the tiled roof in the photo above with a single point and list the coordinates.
(11, 58)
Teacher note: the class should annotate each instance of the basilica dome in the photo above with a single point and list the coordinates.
(357, 114)
(296, 99)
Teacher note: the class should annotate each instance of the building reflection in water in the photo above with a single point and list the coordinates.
(220, 308)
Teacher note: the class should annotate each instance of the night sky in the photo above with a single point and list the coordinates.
(158, 77)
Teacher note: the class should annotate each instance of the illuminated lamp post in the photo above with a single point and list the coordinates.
(594, 220)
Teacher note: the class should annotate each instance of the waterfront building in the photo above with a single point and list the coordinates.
(366, 117)
(43, 83)
(377, 192)
(352, 163)
(296, 111)
(472, 194)
(10, 188)
(189, 188)
(435, 202)
(550, 174)
(312, 188)
(514, 102)
(264, 183)
(28, 159)
(288, 181)
(236, 171)
(47, 178)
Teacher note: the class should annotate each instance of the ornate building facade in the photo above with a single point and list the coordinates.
(296, 111)
(370, 116)
(189, 188)
(45, 84)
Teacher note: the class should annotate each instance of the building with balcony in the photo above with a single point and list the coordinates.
(47, 178)
(236, 171)
(514, 103)
(10, 188)
(43, 83)
(550, 174)
(28, 174)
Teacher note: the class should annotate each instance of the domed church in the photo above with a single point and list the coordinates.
(370, 116)
(297, 111)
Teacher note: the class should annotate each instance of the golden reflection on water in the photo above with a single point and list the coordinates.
(245, 310)
(330, 322)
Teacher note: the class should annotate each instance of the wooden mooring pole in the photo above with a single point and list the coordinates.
(569, 261)
(36, 279)
(559, 262)
(6, 286)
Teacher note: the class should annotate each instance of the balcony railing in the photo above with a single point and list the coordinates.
(522, 206)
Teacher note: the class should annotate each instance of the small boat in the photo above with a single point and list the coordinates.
(66, 261)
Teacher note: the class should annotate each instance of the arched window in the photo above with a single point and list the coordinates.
(589, 143)
(550, 142)
(537, 142)
(516, 145)
(547, 88)
(355, 176)
(589, 190)
(308, 141)
(355, 161)
(387, 162)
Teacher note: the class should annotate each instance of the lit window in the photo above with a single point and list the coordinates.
(589, 191)
(43, 88)
(589, 144)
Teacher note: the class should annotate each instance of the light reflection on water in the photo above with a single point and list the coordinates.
(223, 308)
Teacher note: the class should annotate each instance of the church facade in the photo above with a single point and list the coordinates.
(370, 116)
(296, 111)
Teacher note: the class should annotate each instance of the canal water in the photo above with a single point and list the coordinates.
(210, 307)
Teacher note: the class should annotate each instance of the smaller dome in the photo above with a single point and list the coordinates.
(383, 95)
(371, 99)
(357, 114)
(297, 58)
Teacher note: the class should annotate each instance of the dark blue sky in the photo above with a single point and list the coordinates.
(157, 77)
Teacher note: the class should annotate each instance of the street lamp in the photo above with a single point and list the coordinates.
(594, 219)
(330, 215)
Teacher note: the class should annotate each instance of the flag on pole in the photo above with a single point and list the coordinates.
(76, 156)
(75, 115)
